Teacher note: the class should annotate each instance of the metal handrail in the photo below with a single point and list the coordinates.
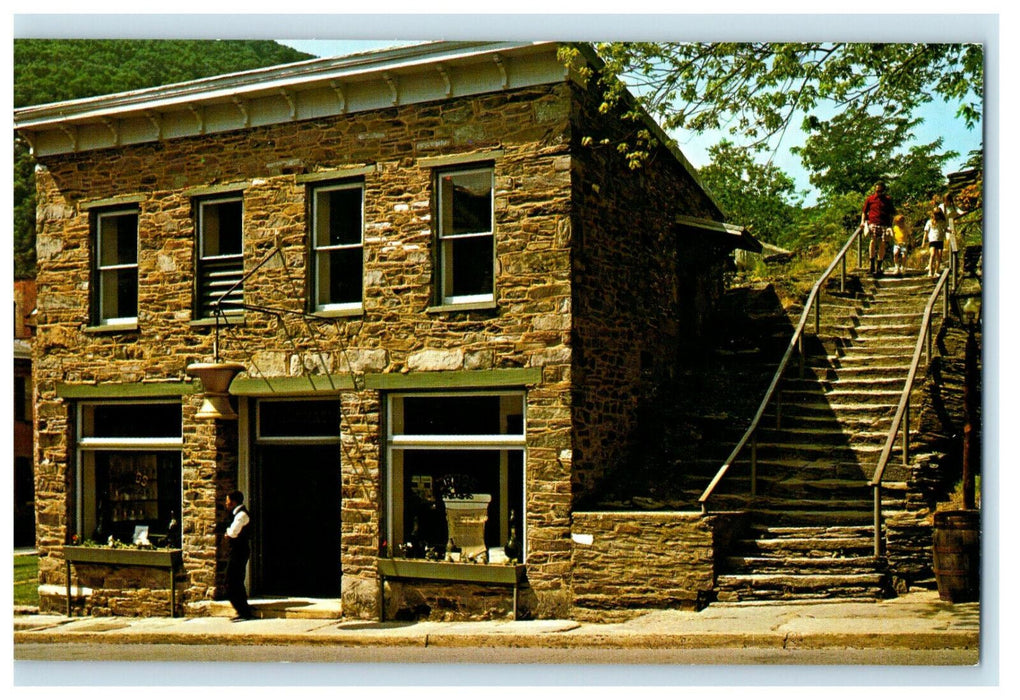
(796, 342)
(902, 416)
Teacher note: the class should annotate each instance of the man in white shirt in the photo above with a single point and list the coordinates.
(238, 541)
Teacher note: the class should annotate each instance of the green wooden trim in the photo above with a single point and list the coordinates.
(163, 558)
(273, 386)
(131, 390)
(335, 174)
(507, 575)
(459, 158)
(112, 202)
(449, 380)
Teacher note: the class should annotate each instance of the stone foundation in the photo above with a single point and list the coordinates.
(645, 560)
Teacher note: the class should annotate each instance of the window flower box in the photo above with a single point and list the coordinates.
(123, 556)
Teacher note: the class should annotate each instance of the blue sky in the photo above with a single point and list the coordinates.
(939, 121)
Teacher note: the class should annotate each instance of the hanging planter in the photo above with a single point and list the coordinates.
(216, 378)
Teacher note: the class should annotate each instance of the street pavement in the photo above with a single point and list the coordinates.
(916, 620)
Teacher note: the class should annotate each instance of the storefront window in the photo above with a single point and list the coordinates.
(444, 448)
(130, 472)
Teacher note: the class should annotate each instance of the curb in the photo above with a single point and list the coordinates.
(567, 640)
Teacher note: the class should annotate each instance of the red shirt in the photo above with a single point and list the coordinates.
(879, 210)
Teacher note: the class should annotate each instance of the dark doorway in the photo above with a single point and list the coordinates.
(297, 483)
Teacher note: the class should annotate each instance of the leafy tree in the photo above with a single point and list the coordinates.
(754, 195)
(828, 220)
(756, 89)
(53, 70)
(48, 70)
(850, 152)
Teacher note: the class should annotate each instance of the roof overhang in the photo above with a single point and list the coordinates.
(729, 236)
(297, 91)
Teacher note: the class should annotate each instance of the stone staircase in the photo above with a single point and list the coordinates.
(810, 530)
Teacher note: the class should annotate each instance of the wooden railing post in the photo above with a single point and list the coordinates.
(754, 464)
(878, 520)
(906, 431)
(800, 352)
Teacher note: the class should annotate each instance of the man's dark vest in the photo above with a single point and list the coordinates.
(242, 542)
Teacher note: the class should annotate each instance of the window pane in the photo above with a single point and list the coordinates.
(467, 202)
(339, 273)
(21, 411)
(462, 415)
(470, 263)
(138, 489)
(118, 239)
(119, 293)
(221, 228)
(426, 470)
(132, 420)
(338, 217)
(299, 419)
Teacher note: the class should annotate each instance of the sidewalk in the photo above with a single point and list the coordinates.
(917, 620)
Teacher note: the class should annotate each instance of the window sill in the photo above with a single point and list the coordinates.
(340, 313)
(421, 569)
(230, 320)
(466, 306)
(113, 328)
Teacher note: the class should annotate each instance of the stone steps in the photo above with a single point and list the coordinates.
(859, 381)
(827, 565)
(813, 508)
(758, 587)
(831, 434)
(889, 366)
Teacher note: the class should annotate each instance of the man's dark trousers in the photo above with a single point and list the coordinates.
(236, 566)
(237, 563)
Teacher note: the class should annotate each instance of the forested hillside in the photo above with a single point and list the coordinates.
(49, 70)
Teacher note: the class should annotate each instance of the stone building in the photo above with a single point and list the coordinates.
(431, 280)
(24, 330)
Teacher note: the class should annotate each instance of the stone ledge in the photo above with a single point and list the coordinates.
(470, 306)
(112, 328)
(231, 319)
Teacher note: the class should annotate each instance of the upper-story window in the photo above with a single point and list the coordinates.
(466, 241)
(337, 246)
(220, 258)
(116, 287)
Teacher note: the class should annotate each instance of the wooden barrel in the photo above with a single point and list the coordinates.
(956, 548)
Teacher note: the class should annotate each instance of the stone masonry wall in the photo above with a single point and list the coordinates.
(645, 560)
(395, 333)
(640, 290)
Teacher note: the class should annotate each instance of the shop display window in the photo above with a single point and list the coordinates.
(451, 453)
(129, 457)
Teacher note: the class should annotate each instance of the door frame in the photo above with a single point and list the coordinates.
(248, 440)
